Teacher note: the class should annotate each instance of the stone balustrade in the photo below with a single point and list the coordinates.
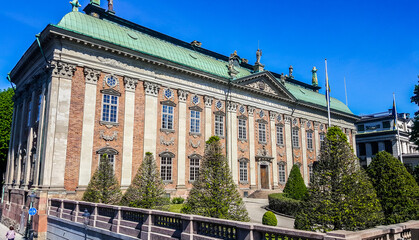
(154, 224)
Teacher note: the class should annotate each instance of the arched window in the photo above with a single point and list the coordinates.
(111, 154)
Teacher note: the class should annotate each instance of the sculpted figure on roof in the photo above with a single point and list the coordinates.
(76, 5)
(258, 55)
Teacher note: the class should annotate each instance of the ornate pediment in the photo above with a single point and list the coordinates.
(265, 82)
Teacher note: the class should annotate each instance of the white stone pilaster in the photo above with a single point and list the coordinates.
(130, 85)
(21, 148)
(232, 140)
(208, 117)
(11, 152)
(89, 109)
(41, 126)
(316, 140)
(150, 114)
(274, 153)
(29, 141)
(304, 150)
(181, 159)
(252, 154)
(288, 143)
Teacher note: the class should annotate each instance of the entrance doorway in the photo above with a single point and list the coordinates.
(264, 177)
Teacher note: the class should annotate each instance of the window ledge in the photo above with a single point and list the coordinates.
(243, 139)
(109, 123)
(296, 147)
(244, 182)
(264, 143)
(195, 134)
(191, 181)
(167, 181)
(221, 137)
(280, 145)
(167, 130)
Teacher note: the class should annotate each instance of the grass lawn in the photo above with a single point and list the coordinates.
(175, 208)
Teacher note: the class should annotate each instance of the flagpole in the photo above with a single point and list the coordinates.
(397, 126)
(327, 95)
(346, 95)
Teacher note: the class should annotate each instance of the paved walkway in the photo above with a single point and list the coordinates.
(3, 231)
(255, 208)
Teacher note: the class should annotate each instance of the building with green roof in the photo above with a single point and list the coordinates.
(95, 83)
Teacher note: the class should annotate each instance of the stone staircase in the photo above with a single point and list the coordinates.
(262, 194)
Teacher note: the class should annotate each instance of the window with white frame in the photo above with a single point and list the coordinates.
(321, 140)
(262, 132)
(167, 117)
(166, 168)
(280, 135)
(195, 121)
(111, 159)
(281, 173)
(295, 138)
(193, 169)
(110, 108)
(310, 172)
(242, 129)
(243, 171)
(219, 125)
(309, 140)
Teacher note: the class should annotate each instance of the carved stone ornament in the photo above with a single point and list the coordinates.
(232, 107)
(183, 95)
(242, 149)
(354, 131)
(263, 152)
(280, 154)
(195, 145)
(251, 110)
(130, 84)
(91, 75)
(167, 143)
(262, 86)
(316, 125)
(62, 69)
(303, 122)
(208, 101)
(294, 121)
(273, 115)
(287, 119)
(108, 137)
(151, 88)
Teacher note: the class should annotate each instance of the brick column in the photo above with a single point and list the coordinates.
(126, 175)
(89, 108)
(150, 121)
(250, 111)
(181, 159)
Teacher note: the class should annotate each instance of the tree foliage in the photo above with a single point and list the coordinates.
(103, 187)
(414, 134)
(341, 197)
(295, 187)
(6, 115)
(214, 193)
(269, 219)
(396, 188)
(147, 188)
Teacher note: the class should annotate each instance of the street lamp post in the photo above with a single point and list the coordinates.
(86, 218)
(29, 230)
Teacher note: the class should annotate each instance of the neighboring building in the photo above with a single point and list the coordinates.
(110, 86)
(376, 132)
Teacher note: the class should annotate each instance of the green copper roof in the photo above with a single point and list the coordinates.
(113, 33)
(309, 96)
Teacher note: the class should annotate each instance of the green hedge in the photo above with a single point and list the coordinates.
(279, 203)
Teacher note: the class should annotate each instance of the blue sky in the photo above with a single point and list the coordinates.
(373, 44)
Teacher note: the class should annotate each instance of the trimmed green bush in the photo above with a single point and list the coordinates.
(214, 193)
(282, 204)
(396, 188)
(295, 187)
(147, 188)
(103, 186)
(178, 200)
(269, 219)
(341, 196)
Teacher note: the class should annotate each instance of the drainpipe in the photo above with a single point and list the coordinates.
(40, 47)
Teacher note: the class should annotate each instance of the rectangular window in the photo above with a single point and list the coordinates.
(281, 174)
(166, 168)
(386, 124)
(310, 172)
(109, 108)
(309, 140)
(195, 121)
(361, 128)
(279, 135)
(111, 159)
(29, 113)
(219, 125)
(362, 149)
(243, 171)
(193, 169)
(295, 138)
(242, 129)
(262, 132)
(167, 117)
(321, 140)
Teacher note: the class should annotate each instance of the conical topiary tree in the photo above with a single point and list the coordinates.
(396, 188)
(214, 193)
(147, 188)
(103, 187)
(341, 197)
(295, 187)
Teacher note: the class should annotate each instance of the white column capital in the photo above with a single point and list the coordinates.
(91, 75)
(232, 106)
(63, 69)
(151, 88)
(251, 110)
(182, 95)
(208, 101)
(130, 84)
(273, 116)
(287, 119)
(303, 122)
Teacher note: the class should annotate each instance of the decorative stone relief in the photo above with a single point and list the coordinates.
(263, 152)
(262, 86)
(251, 110)
(287, 119)
(195, 145)
(62, 69)
(108, 137)
(242, 149)
(273, 115)
(294, 121)
(232, 107)
(280, 154)
(208, 101)
(167, 143)
(316, 125)
(308, 124)
(91, 75)
(183, 95)
(151, 88)
(130, 84)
